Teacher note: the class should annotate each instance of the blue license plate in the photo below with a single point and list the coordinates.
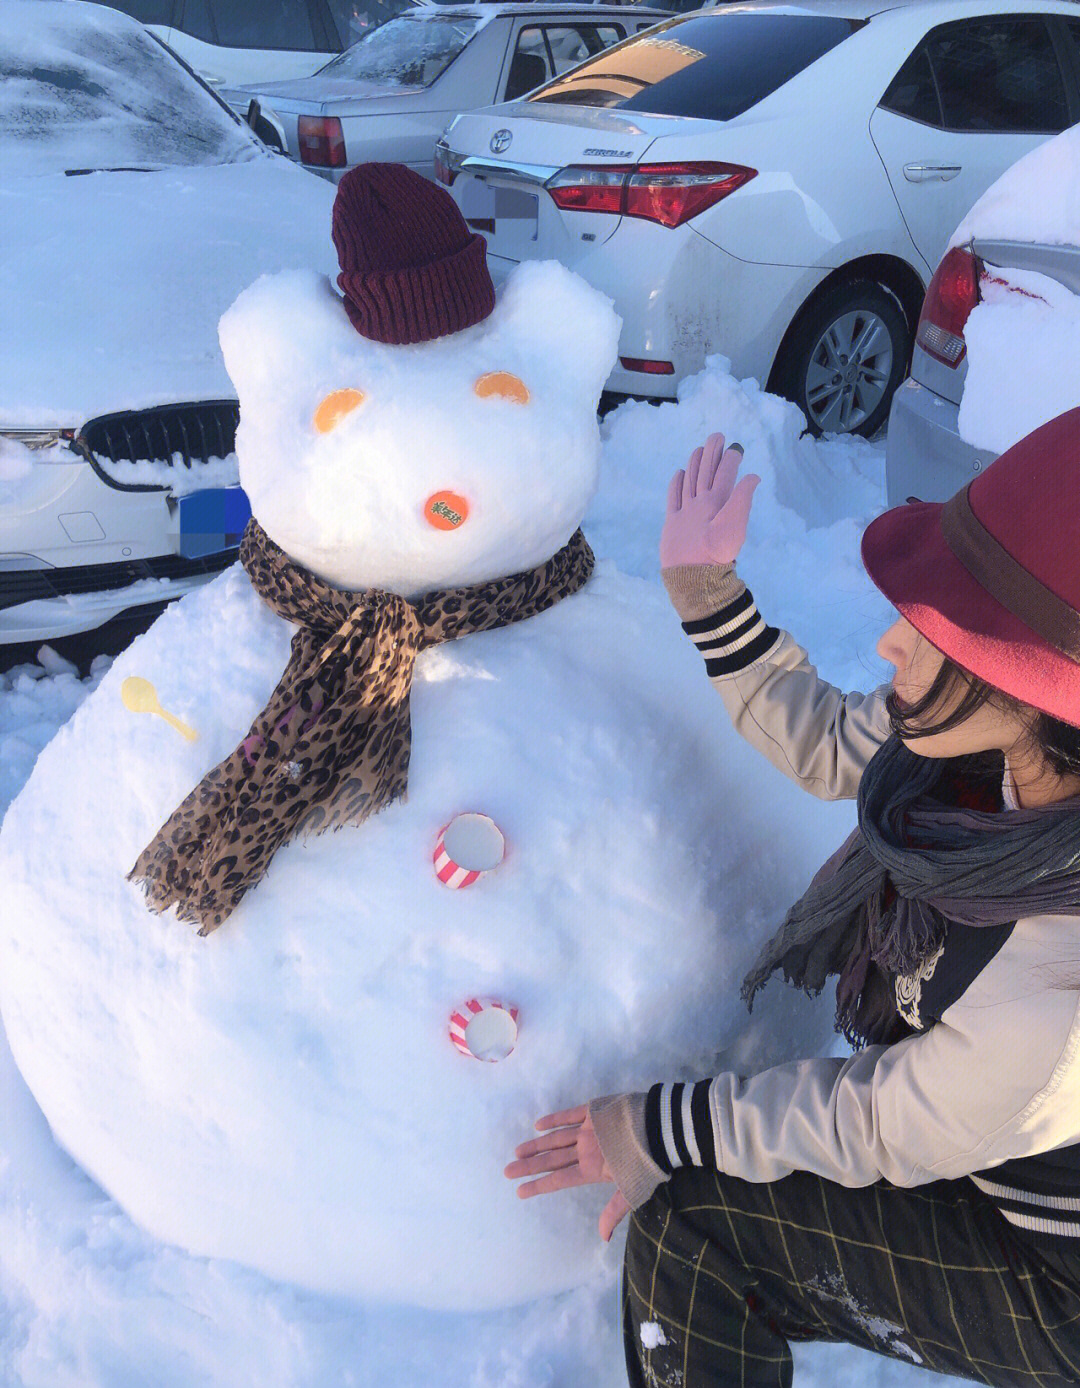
(213, 520)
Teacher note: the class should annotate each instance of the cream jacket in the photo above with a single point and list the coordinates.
(995, 1079)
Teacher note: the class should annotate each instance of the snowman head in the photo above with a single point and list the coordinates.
(412, 436)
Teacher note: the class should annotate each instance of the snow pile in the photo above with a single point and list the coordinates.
(34, 701)
(801, 558)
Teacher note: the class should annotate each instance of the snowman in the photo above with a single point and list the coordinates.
(445, 852)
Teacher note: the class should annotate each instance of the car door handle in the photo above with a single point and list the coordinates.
(931, 173)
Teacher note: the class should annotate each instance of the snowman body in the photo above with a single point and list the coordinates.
(285, 1092)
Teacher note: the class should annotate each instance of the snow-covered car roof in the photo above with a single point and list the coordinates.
(85, 87)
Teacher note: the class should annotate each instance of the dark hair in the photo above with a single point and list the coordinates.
(1058, 742)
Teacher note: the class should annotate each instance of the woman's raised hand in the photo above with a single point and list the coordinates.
(567, 1155)
(707, 510)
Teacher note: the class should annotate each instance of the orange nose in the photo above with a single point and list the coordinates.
(446, 510)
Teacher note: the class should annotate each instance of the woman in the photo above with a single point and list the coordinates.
(921, 1197)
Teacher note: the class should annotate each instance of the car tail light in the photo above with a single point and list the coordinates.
(673, 193)
(952, 294)
(650, 368)
(666, 193)
(447, 163)
(322, 143)
(590, 188)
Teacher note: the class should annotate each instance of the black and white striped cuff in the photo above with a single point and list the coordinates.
(732, 638)
(678, 1125)
(1037, 1212)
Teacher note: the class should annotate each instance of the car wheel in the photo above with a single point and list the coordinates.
(845, 359)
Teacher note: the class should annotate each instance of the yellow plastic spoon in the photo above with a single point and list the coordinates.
(140, 696)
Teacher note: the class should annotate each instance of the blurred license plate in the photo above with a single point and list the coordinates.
(213, 520)
(500, 212)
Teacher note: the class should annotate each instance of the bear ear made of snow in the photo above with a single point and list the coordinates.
(551, 317)
(278, 328)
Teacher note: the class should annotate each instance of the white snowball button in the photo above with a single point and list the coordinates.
(469, 846)
(484, 1028)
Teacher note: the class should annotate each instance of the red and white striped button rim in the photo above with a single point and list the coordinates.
(447, 871)
(452, 874)
(463, 1015)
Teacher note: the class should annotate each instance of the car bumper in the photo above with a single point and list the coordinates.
(682, 299)
(925, 457)
(75, 552)
(50, 619)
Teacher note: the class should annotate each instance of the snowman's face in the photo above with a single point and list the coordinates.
(427, 466)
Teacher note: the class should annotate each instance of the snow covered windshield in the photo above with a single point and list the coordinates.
(410, 51)
(85, 88)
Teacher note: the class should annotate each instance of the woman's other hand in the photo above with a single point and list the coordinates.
(707, 510)
(567, 1155)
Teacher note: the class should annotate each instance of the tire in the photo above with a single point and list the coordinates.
(858, 319)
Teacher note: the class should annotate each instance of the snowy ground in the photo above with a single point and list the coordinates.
(87, 1299)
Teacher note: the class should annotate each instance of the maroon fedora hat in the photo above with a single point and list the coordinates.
(992, 576)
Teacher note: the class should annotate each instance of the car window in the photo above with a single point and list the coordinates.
(409, 51)
(83, 89)
(355, 17)
(279, 24)
(913, 92)
(713, 65)
(196, 20)
(570, 44)
(1073, 27)
(994, 74)
(145, 11)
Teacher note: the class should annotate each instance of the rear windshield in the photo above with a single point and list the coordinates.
(84, 89)
(714, 66)
(407, 51)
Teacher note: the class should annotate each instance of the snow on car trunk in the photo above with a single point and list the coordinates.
(1023, 338)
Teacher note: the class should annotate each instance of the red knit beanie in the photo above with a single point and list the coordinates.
(410, 268)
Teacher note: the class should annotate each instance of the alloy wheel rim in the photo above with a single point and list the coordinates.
(849, 371)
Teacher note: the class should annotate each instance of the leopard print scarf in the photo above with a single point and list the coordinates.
(332, 745)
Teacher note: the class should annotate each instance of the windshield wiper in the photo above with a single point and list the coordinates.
(123, 168)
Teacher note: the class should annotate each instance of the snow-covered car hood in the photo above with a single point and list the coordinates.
(112, 284)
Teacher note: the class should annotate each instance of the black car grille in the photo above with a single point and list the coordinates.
(192, 434)
(34, 584)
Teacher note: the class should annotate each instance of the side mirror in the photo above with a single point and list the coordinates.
(254, 112)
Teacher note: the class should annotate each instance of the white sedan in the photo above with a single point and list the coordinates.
(769, 181)
(126, 234)
(389, 96)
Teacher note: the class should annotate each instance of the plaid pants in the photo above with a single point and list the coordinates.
(720, 1274)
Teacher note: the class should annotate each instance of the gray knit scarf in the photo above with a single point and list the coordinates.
(931, 847)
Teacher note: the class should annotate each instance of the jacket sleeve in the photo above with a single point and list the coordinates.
(997, 1078)
(819, 737)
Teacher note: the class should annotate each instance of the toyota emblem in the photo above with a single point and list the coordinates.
(500, 141)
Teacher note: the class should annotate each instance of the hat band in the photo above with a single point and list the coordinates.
(1017, 590)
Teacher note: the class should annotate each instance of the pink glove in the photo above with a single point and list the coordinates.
(707, 511)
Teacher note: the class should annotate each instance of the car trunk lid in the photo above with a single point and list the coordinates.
(501, 163)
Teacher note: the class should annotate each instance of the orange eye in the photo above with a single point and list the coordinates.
(335, 407)
(502, 383)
